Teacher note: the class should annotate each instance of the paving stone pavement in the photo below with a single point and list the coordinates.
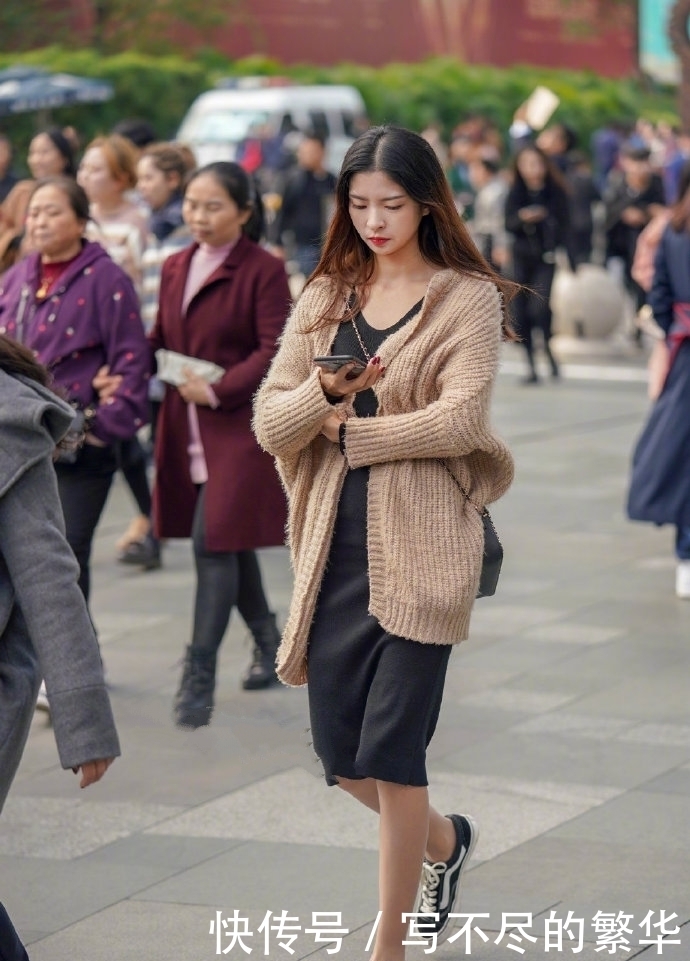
(565, 731)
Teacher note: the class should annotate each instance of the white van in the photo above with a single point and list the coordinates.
(220, 119)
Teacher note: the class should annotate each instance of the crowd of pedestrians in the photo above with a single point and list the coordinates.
(154, 298)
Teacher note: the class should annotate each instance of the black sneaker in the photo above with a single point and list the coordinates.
(441, 881)
(145, 553)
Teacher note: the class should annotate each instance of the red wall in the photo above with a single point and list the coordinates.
(500, 32)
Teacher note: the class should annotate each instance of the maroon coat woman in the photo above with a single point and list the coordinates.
(224, 300)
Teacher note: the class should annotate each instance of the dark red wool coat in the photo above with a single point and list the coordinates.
(234, 320)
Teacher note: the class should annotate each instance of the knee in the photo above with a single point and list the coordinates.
(347, 784)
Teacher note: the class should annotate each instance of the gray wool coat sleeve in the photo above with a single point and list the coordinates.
(45, 628)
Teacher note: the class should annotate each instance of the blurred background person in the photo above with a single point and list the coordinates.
(140, 133)
(7, 176)
(537, 217)
(676, 158)
(557, 141)
(161, 171)
(45, 629)
(108, 172)
(459, 156)
(304, 213)
(632, 196)
(487, 226)
(605, 145)
(50, 154)
(224, 299)
(583, 196)
(77, 310)
(434, 137)
(660, 479)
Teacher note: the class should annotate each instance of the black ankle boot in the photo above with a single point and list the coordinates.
(194, 699)
(262, 671)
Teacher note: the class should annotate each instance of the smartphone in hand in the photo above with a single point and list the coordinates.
(333, 363)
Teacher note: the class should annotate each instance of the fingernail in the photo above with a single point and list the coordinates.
(376, 360)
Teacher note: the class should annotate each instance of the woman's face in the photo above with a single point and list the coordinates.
(383, 214)
(532, 168)
(52, 226)
(211, 214)
(44, 159)
(153, 184)
(95, 176)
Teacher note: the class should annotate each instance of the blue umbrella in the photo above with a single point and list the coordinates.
(26, 89)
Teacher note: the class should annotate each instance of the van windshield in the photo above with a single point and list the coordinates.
(221, 126)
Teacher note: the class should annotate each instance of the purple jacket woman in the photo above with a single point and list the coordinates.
(77, 311)
(90, 319)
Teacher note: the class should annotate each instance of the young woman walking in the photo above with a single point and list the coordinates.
(387, 548)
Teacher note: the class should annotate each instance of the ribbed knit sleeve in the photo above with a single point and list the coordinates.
(457, 422)
(290, 406)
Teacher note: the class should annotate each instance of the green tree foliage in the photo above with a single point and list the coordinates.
(440, 90)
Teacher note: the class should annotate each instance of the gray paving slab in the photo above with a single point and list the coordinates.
(582, 876)
(657, 821)
(565, 730)
(298, 878)
(673, 782)
(134, 931)
(48, 895)
(586, 760)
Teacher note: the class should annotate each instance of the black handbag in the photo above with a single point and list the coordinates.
(493, 549)
(492, 558)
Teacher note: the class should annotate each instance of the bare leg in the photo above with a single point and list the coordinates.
(407, 827)
(441, 841)
(403, 830)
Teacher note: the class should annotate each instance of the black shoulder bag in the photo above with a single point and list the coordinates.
(493, 549)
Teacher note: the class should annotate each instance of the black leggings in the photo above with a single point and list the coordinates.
(223, 580)
(131, 460)
(530, 311)
(84, 488)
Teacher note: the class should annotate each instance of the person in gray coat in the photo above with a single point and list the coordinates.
(45, 628)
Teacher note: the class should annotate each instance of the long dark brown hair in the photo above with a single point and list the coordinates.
(16, 359)
(444, 240)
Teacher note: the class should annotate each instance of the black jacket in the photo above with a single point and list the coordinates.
(537, 241)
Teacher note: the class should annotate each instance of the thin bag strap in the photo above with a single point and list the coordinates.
(482, 511)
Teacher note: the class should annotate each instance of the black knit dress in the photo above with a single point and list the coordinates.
(374, 698)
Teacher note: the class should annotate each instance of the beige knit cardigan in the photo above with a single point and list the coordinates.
(425, 542)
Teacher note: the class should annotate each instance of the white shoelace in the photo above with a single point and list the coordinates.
(431, 881)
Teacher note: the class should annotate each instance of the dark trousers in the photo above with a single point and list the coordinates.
(83, 488)
(131, 459)
(223, 580)
(11, 948)
(531, 308)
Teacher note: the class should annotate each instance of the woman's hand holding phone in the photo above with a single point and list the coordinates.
(340, 382)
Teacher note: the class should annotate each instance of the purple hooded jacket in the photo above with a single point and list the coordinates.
(90, 319)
